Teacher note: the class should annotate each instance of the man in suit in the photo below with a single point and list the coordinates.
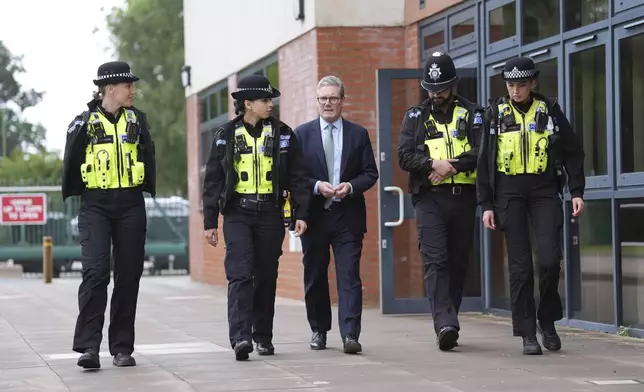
(341, 167)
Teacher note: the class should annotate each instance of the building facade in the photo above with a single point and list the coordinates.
(587, 55)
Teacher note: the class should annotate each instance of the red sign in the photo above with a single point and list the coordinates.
(23, 209)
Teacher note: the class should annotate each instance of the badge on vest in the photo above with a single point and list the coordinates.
(478, 118)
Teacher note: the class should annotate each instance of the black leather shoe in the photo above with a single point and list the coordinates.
(123, 360)
(531, 345)
(89, 359)
(265, 349)
(447, 338)
(318, 341)
(351, 345)
(550, 339)
(243, 348)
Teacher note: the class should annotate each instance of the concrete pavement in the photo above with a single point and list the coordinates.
(182, 345)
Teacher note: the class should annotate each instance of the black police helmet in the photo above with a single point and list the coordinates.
(255, 87)
(114, 72)
(520, 69)
(439, 73)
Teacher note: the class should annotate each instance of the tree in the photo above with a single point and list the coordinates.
(38, 168)
(148, 34)
(13, 102)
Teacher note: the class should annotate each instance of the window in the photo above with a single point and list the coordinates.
(588, 101)
(540, 20)
(214, 112)
(631, 74)
(592, 295)
(503, 22)
(462, 29)
(631, 236)
(579, 13)
(434, 41)
(548, 81)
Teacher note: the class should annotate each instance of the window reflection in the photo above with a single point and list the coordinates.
(588, 83)
(631, 73)
(463, 28)
(503, 22)
(433, 40)
(591, 252)
(540, 20)
(579, 13)
(631, 235)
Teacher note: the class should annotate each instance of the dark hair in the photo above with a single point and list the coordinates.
(239, 106)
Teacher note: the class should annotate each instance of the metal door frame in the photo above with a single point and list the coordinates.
(395, 206)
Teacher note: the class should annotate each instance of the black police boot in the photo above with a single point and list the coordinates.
(242, 350)
(447, 338)
(265, 348)
(318, 341)
(124, 360)
(551, 340)
(351, 345)
(531, 345)
(89, 359)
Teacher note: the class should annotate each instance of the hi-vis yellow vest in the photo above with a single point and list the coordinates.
(254, 169)
(111, 161)
(446, 141)
(522, 141)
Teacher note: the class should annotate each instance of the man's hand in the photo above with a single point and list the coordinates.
(300, 227)
(326, 189)
(342, 190)
(577, 206)
(443, 167)
(212, 237)
(488, 220)
(435, 178)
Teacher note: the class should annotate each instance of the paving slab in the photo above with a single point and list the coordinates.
(182, 345)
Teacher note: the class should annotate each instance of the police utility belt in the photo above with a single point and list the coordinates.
(253, 165)
(523, 141)
(113, 157)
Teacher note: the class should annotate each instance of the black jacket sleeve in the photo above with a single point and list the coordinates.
(572, 153)
(298, 178)
(214, 181)
(467, 161)
(369, 171)
(410, 158)
(484, 191)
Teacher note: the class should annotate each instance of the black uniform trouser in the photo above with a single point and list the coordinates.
(110, 217)
(518, 198)
(253, 248)
(445, 233)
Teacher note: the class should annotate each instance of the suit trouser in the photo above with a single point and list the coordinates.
(445, 234)
(106, 217)
(332, 229)
(253, 248)
(535, 197)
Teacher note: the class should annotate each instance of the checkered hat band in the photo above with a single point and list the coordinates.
(117, 75)
(516, 74)
(268, 89)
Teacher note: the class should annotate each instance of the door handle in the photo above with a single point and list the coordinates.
(401, 206)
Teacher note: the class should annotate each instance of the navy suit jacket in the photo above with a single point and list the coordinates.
(357, 167)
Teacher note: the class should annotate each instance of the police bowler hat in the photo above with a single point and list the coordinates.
(255, 87)
(439, 73)
(114, 72)
(520, 69)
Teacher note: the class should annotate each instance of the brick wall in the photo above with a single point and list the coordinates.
(353, 54)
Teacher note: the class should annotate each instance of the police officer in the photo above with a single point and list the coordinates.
(109, 161)
(438, 147)
(254, 161)
(527, 147)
